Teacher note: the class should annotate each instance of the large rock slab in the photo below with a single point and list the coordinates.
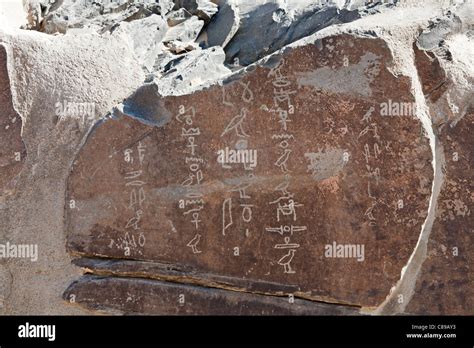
(330, 165)
(12, 149)
(137, 296)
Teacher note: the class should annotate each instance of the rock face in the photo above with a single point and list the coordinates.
(446, 274)
(238, 157)
(138, 296)
(262, 177)
(282, 26)
(12, 149)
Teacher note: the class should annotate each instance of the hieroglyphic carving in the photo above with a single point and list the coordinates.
(314, 183)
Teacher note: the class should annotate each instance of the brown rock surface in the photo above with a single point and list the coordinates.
(138, 296)
(445, 283)
(444, 286)
(330, 169)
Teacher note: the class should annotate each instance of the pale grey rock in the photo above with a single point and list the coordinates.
(185, 73)
(45, 70)
(281, 27)
(177, 17)
(100, 16)
(178, 47)
(204, 9)
(178, 76)
(145, 35)
(223, 26)
(438, 31)
(267, 26)
(184, 34)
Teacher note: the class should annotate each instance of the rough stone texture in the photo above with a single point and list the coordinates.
(177, 17)
(112, 52)
(5, 284)
(145, 36)
(45, 70)
(223, 26)
(12, 149)
(280, 27)
(185, 73)
(204, 9)
(445, 283)
(182, 36)
(97, 16)
(447, 274)
(137, 198)
(138, 296)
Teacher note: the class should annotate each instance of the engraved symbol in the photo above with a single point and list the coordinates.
(370, 128)
(133, 175)
(172, 226)
(241, 189)
(377, 150)
(193, 244)
(281, 162)
(141, 151)
(188, 118)
(368, 115)
(226, 215)
(196, 220)
(282, 136)
(283, 116)
(283, 187)
(247, 212)
(194, 210)
(135, 220)
(366, 153)
(287, 209)
(189, 181)
(236, 125)
(136, 200)
(369, 212)
(224, 101)
(373, 173)
(369, 191)
(287, 245)
(286, 229)
(247, 95)
(135, 183)
(286, 260)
